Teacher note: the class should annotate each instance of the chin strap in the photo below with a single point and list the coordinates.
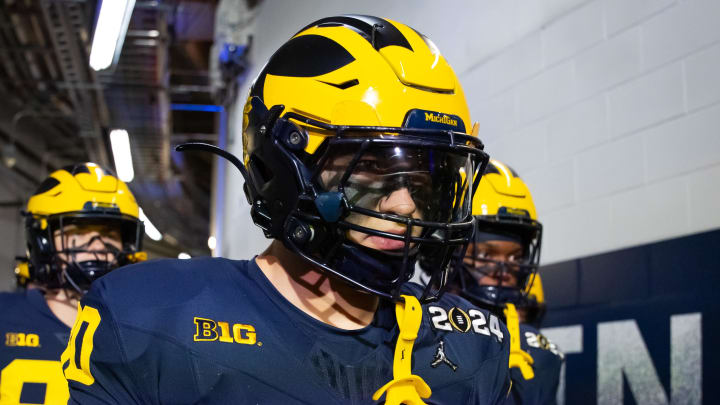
(405, 388)
(518, 357)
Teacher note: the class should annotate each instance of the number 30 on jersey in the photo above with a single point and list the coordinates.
(81, 335)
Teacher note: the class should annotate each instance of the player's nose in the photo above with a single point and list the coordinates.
(398, 202)
(498, 276)
(95, 242)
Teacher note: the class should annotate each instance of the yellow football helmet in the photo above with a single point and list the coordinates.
(81, 195)
(374, 103)
(504, 211)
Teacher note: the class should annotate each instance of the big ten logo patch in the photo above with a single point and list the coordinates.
(208, 330)
(22, 339)
(461, 321)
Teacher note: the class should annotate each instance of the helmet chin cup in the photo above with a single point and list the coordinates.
(369, 269)
(373, 268)
(493, 295)
(79, 275)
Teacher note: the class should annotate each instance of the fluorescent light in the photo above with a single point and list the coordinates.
(150, 229)
(183, 255)
(120, 144)
(110, 29)
(212, 242)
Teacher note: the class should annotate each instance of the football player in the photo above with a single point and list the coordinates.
(356, 151)
(81, 223)
(499, 272)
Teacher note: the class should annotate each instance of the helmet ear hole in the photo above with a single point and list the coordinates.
(296, 139)
(300, 232)
(40, 249)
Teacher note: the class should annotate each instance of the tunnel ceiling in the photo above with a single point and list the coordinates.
(55, 110)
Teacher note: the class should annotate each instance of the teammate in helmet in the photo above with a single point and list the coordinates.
(81, 223)
(499, 272)
(356, 151)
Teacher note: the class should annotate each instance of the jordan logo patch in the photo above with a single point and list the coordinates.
(441, 358)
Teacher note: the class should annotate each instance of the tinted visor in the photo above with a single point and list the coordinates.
(122, 228)
(417, 182)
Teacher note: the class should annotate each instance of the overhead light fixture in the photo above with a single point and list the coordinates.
(183, 255)
(110, 29)
(120, 144)
(150, 229)
(212, 242)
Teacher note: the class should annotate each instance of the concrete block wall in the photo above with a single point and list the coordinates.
(617, 128)
(608, 108)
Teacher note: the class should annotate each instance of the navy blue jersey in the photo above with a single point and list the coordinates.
(33, 337)
(217, 331)
(542, 389)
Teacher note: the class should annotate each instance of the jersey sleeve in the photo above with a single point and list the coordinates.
(548, 380)
(94, 362)
(493, 380)
(542, 389)
(550, 396)
(554, 375)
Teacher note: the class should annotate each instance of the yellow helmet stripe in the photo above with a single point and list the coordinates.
(505, 171)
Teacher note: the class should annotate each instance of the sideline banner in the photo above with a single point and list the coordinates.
(638, 325)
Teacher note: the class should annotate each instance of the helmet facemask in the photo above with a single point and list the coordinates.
(395, 195)
(76, 265)
(335, 211)
(492, 282)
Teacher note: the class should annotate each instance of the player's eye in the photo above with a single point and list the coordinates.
(368, 165)
(516, 257)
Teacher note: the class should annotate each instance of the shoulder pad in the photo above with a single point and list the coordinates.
(534, 339)
(157, 284)
(9, 297)
(9, 300)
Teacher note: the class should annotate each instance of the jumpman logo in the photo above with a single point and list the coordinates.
(440, 358)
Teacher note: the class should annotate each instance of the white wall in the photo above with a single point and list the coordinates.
(608, 108)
